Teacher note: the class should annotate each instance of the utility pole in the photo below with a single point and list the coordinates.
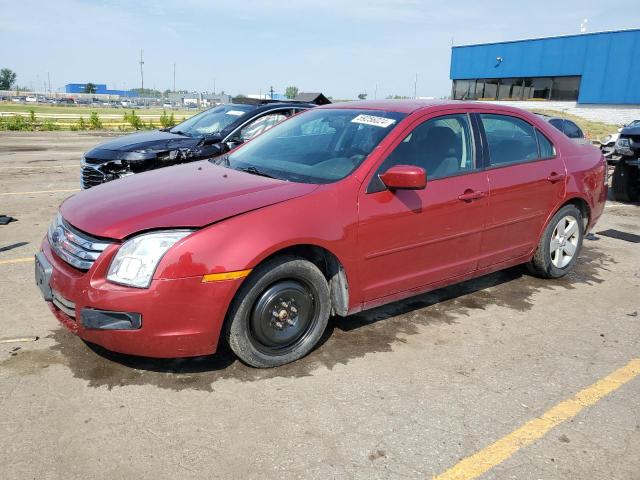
(214, 86)
(174, 76)
(415, 87)
(375, 92)
(49, 82)
(141, 71)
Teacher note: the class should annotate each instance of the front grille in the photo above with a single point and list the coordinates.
(91, 176)
(74, 247)
(63, 304)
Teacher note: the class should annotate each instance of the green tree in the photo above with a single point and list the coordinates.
(362, 96)
(7, 78)
(94, 121)
(134, 120)
(167, 120)
(291, 92)
(90, 88)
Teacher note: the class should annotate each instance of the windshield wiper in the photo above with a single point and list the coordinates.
(179, 132)
(254, 171)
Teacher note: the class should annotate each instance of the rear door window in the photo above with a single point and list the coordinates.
(547, 150)
(510, 139)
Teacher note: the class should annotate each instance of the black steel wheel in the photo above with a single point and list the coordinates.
(282, 316)
(280, 312)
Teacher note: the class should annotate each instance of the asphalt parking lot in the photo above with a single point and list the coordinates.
(478, 380)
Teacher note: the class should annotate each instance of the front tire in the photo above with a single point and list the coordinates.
(280, 313)
(625, 183)
(560, 244)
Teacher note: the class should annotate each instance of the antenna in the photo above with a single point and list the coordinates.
(141, 62)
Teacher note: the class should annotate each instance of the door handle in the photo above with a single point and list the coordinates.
(470, 195)
(555, 177)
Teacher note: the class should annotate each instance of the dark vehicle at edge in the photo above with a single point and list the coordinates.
(203, 136)
(625, 183)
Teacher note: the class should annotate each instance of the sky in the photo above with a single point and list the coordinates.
(339, 47)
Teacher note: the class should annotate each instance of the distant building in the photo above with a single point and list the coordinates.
(594, 68)
(101, 89)
(200, 99)
(312, 97)
(267, 96)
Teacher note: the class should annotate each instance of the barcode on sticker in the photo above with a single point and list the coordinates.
(382, 122)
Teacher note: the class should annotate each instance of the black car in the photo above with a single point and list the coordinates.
(625, 182)
(569, 128)
(203, 136)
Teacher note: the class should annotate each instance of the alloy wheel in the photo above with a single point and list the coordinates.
(564, 241)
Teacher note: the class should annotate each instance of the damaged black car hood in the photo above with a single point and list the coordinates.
(155, 141)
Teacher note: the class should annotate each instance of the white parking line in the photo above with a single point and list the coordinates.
(34, 167)
(40, 191)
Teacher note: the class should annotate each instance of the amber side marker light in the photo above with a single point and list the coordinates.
(219, 277)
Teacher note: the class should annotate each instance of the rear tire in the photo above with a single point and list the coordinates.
(560, 244)
(625, 183)
(280, 313)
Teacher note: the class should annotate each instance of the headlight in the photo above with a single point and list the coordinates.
(136, 261)
(623, 143)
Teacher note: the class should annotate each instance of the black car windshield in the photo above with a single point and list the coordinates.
(213, 120)
(318, 146)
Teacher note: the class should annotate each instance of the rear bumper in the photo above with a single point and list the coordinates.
(178, 317)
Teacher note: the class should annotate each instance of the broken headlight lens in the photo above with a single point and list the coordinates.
(623, 146)
(136, 261)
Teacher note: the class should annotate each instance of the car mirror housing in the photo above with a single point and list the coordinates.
(405, 177)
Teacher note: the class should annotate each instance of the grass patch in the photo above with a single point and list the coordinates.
(85, 110)
(594, 130)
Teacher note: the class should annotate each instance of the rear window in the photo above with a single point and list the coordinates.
(572, 130)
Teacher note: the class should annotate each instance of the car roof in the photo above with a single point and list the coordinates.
(409, 106)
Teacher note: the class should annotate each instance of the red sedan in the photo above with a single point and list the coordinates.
(338, 209)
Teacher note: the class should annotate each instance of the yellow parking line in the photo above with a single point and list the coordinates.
(496, 453)
(16, 260)
(40, 191)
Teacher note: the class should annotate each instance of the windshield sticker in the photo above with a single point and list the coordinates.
(373, 120)
(236, 113)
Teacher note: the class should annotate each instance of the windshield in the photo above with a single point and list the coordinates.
(318, 146)
(212, 121)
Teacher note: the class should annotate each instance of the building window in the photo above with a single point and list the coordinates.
(529, 88)
(565, 88)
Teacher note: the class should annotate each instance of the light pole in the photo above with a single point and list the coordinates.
(415, 87)
(174, 77)
(141, 72)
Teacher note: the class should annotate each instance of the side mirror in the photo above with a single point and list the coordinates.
(231, 144)
(405, 177)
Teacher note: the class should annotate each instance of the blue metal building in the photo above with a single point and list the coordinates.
(593, 68)
(101, 88)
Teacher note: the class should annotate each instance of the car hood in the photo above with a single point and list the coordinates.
(630, 131)
(189, 195)
(154, 140)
